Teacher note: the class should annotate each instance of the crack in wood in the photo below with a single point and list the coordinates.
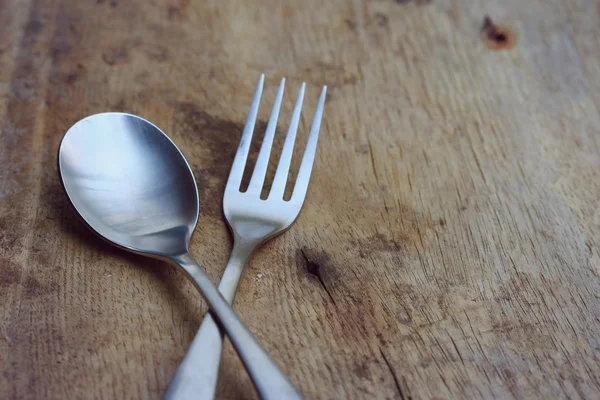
(396, 381)
(373, 164)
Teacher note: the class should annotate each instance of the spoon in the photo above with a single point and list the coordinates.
(133, 187)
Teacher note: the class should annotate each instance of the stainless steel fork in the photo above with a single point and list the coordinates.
(252, 221)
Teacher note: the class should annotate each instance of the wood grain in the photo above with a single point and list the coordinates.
(449, 246)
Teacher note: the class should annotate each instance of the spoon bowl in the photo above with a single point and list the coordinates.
(134, 188)
(130, 183)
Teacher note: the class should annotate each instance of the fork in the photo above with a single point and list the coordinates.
(252, 221)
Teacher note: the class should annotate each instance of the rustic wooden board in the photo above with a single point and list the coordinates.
(450, 242)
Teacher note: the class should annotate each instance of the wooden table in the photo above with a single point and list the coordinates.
(449, 246)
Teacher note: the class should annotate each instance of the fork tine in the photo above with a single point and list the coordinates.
(262, 162)
(309, 153)
(239, 162)
(283, 168)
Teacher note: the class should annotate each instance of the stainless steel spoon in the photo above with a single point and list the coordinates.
(133, 187)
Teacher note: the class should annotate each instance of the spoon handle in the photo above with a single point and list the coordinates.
(268, 379)
(196, 376)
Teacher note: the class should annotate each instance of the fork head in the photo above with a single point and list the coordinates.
(251, 218)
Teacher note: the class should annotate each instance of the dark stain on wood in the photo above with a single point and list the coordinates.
(32, 28)
(141, 77)
(18, 125)
(497, 37)
(315, 263)
(417, 2)
(10, 273)
(379, 243)
(32, 287)
(381, 19)
(9, 236)
(61, 45)
(362, 149)
(409, 231)
(333, 75)
(217, 140)
(173, 12)
(158, 53)
(350, 24)
(361, 369)
(176, 12)
(120, 105)
(71, 77)
(116, 56)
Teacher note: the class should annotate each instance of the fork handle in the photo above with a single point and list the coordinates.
(269, 381)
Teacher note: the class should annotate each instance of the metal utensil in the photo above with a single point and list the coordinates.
(133, 187)
(252, 221)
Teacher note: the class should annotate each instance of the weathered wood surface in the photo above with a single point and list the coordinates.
(453, 215)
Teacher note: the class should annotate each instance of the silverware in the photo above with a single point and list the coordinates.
(252, 221)
(133, 187)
